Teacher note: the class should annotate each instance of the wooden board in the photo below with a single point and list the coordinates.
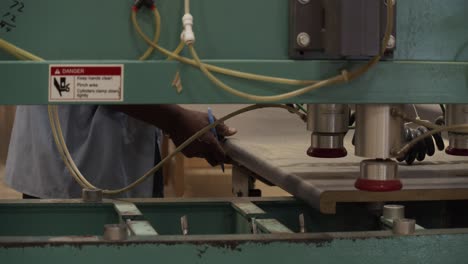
(324, 182)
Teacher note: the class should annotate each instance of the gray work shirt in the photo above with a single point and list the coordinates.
(110, 148)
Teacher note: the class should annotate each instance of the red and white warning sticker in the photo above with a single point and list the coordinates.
(86, 83)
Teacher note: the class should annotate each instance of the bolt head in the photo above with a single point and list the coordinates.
(304, 2)
(303, 39)
(391, 42)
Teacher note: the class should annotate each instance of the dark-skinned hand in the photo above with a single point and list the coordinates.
(207, 146)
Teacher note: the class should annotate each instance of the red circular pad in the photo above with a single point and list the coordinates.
(456, 151)
(327, 153)
(378, 186)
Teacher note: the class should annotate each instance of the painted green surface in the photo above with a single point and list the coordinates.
(244, 34)
(211, 217)
(241, 29)
(443, 249)
(271, 226)
(146, 83)
(212, 222)
(203, 219)
(55, 219)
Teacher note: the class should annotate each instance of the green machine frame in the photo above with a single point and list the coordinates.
(219, 231)
(430, 66)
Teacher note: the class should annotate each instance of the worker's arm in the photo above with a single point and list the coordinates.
(180, 124)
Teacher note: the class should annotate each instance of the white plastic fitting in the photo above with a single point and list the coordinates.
(187, 35)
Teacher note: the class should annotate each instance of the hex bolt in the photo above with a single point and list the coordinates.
(404, 226)
(303, 39)
(391, 42)
(304, 2)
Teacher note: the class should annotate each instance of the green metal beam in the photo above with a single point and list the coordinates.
(151, 82)
(226, 30)
(326, 248)
(232, 34)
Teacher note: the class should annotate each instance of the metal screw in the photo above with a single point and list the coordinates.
(302, 223)
(304, 2)
(254, 226)
(303, 39)
(391, 42)
(393, 2)
(184, 225)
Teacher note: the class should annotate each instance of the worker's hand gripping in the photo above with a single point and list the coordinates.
(207, 146)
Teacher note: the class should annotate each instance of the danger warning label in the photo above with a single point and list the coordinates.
(86, 83)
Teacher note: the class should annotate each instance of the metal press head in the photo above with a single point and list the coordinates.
(329, 125)
(378, 133)
(457, 114)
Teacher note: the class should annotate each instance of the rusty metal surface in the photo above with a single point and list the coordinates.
(356, 248)
(308, 238)
(323, 183)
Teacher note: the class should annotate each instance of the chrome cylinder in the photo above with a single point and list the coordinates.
(404, 226)
(378, 133)
(457, 114)
(329, 125)
(328, 118)
(379, 170)
(393, 212)
(458, 141)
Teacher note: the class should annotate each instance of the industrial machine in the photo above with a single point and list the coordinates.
(360, 62)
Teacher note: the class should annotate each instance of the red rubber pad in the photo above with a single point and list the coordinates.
(327, 153)
(378, 186)
(456, 152)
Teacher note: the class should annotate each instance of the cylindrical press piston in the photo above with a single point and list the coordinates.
(329, 125)
(457, 114)
(378, 135)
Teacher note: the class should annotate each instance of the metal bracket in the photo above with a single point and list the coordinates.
(128, 211)
(329, 29)
(271, 226)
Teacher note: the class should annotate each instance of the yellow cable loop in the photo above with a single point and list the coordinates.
(178, 50)
(157, 35)
(62, 148)
(257, 98)
(238, 74)
(71, 166)
(344, 77)
(435, 129)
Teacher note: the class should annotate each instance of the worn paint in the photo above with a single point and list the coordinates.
(431, 36)
(420, 249)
